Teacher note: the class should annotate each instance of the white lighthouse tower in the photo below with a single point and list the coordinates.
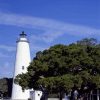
(22, 62)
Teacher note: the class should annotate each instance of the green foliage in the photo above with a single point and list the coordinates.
(62, 67)
(24, 80)
(89, 42)
(6, 86)
(3, 85)
(96, 80)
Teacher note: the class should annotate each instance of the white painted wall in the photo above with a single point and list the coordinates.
(22, 59)
(36, 95)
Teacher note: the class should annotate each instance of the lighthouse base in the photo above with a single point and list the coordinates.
(19, 94)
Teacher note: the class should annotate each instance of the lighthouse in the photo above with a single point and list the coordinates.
(22, 61)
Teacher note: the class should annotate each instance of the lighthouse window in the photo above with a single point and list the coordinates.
(23, 67)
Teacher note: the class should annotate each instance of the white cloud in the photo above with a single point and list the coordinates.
(7, 48)
(6, 70)
(52, 28)
(2, 55)
(37, 47)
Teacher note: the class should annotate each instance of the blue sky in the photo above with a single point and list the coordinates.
(46, 22)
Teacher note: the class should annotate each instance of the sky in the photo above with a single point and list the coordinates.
(46, 22)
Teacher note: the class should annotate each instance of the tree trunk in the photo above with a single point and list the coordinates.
(60, 96)
(98, 95)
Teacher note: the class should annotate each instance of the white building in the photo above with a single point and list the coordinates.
(21, 63)
(35, 95)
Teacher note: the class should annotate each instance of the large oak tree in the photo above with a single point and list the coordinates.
(62, 67)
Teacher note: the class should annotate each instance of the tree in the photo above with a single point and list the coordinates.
(62, 67)
(3, 86)
(6, 86)
(88, 42)
(9, 84)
